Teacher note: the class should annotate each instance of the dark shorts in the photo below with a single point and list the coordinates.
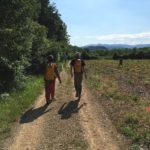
(78, 77)
(78, 83)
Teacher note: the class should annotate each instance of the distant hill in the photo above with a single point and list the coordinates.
(114, 46)
(95, 47)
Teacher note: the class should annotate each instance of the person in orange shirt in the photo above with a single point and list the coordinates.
(50, 75)
(77, 70)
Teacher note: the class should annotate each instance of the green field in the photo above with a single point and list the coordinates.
(124, 92)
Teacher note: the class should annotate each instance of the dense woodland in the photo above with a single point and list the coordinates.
(29, 31)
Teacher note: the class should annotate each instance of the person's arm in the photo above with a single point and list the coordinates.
(57, 74)
(45, 73)
(71, 70)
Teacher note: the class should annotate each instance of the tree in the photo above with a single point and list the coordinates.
(29, 31)
(16, 35)
(50, 18)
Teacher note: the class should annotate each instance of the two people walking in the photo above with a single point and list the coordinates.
(51, 74)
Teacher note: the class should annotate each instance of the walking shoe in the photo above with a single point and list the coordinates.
(48, 102)
(53, 99)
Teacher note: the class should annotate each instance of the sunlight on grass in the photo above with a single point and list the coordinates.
(117, 90)
(12, 106)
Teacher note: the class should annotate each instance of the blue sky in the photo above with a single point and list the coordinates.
(106, 21)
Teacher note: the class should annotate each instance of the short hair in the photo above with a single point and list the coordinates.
(50, 58)
(78, 55)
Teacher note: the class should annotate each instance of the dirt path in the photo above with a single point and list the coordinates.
(98, 129)
(65, 124)
(30, 129)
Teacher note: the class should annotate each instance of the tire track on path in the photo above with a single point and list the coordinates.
(98, 129)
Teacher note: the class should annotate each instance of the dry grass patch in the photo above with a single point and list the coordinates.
(123, 94)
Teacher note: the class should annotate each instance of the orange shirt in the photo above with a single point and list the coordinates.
(50, 72)
(78, 65)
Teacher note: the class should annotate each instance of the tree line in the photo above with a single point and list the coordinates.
(29, 31)
(135, 53)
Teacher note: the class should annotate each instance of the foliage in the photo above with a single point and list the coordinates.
(50, 18)
(16, 40)
(12, 105)
(135, 53)
(29, 31)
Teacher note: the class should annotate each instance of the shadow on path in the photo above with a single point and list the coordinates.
(32, 114)
(67, 109)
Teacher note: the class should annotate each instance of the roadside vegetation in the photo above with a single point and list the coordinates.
(12, 105)
(124, 93)
(29, 32)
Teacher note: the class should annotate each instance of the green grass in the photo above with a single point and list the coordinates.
(14, 104)
(117, 91)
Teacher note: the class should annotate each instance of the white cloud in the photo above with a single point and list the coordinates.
(138, 38)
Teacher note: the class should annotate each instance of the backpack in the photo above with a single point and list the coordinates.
(50, 72)
(78, 66)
